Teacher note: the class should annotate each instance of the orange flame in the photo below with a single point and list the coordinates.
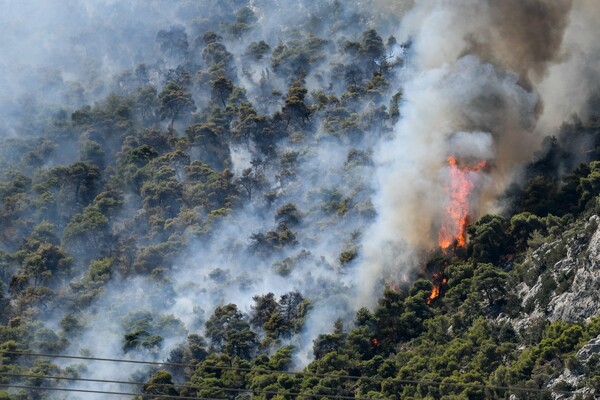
(435, 293)
(454, 226)
(375, 342)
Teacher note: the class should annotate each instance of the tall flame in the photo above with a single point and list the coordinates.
(435, 291)
(454, 225)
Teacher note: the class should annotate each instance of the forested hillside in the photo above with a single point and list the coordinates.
(299, 199)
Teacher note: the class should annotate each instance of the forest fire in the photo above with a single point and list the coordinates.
(437, 286)
(453, 232)
(454, 225)
(435, 292)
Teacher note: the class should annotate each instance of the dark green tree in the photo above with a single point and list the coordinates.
(175, 101)
(263, 309)
(173, 42)
(295, 106)
(147, 103)
(161, 383)
(229, 332)
(489, 239)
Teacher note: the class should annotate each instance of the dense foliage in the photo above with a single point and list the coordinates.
(128, 185)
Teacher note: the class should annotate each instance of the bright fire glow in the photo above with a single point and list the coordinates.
(454, 225)
(435, 291)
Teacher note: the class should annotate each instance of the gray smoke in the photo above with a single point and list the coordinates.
(482, 80)
(480, 75)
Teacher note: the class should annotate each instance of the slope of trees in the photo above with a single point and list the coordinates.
(153, 175)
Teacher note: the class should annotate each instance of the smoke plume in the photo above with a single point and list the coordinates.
(480, 81)
(471, 91)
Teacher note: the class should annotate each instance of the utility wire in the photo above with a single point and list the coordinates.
(69, 378)
(353, 377)
(194, 387)
(162, 396)
(171, 364)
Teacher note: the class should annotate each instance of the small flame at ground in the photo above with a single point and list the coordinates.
(454, 225)
(453, 231)
(435, 292)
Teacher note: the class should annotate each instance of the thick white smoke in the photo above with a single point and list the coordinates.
(569, 83)
(443, 112)
(470, 92)
(478, 76)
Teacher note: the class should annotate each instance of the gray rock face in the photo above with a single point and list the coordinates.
(582, 300)
(575, 296)
(580, 260)
(589, 349)
(574, 378)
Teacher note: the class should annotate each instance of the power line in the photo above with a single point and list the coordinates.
(74, 378)
(238, 390)
(341, 376)
(162, 396)
(194, 387)
(171, 364)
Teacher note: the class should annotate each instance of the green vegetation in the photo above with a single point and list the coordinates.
(152, 177)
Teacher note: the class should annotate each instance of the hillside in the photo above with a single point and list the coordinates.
(319, 200)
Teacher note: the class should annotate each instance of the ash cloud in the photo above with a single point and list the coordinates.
(480, 75)
(569, 83)
(522, 36)
(474, 81)
(478, 145)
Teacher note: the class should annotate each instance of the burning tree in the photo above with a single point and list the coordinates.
(454, 224)
(453, 232)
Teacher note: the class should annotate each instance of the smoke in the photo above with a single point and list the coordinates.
(59, 56)
(482, 80)
(478, 145)
(525, 36)
(569, 83)
(470, 92)
(467, 109)
(520, 36)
